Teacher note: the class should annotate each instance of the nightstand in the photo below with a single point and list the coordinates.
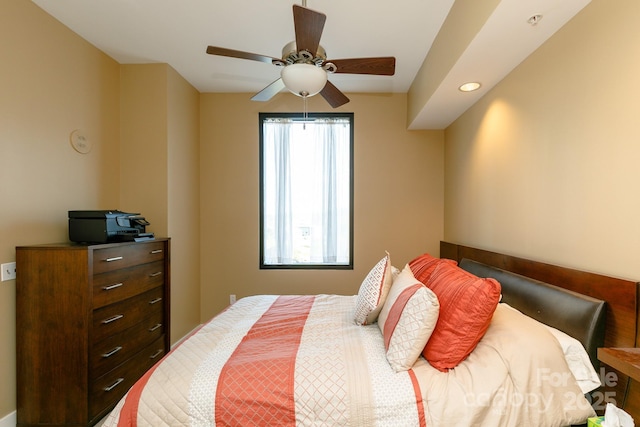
(627, 362)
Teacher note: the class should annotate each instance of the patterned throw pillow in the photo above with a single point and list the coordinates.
(467, 303)
(373, 292)
(407, 320)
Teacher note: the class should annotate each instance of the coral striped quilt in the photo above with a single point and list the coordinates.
(302, 361)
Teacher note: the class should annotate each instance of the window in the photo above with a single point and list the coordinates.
(306, 191)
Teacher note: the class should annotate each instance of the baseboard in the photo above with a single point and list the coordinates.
(9, 421)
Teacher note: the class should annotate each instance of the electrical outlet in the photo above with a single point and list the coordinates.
(8, 271)
(232, 298)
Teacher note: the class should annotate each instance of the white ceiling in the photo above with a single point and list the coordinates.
(177, 32)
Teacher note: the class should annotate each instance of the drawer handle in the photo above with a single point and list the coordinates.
(154, 327)
(112, 352)
(109, 287)
(153, 301)
(115, 258)
(112, 319)
(156, 251)
(157, 273)
(156, 354)
(114, 385)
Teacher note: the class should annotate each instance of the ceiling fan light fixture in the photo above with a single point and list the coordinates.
(304, 65)
(304, 79)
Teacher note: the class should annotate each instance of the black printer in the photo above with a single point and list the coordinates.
(107, 226)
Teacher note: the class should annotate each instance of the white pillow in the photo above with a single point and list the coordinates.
(373, 292)
(407, 320)
(578, 360)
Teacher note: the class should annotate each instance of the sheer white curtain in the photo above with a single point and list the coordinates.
(330, 223)
(307, 181)
(278, 228)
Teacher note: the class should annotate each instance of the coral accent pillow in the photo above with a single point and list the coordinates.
(407, 320)
(423, 266)
(467, 303)
(373, 292)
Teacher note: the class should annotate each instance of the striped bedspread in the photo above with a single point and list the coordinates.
(302, 361)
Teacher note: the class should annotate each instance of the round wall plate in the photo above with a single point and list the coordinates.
(80, 142)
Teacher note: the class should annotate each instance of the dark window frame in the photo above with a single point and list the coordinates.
(302, 117)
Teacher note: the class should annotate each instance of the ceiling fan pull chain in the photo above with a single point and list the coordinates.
(305, 115)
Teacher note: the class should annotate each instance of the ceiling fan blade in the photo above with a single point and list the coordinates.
(269, 92)
(383, 66)
(333, 95)
(221, 51)
(308, 26)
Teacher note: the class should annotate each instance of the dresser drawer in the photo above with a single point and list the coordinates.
(122, 315)
(108, 389)
(118, 285)
(112, 351)
(122, 256)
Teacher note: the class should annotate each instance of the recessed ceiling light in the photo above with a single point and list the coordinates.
(469, 87)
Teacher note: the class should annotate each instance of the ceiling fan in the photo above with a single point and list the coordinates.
(304, 62)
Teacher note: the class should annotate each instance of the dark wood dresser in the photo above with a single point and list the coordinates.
(90, 321)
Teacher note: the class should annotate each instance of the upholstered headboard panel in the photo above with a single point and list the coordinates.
(580, 316)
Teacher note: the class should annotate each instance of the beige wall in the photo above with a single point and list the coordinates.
(160, 174)
(51, 82)
(144, 122)
(546, 165)
(398, 195)
(183, 203)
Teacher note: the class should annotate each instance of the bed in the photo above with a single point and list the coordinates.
(324, 360)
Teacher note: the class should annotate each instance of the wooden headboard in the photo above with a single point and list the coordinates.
(622, 297)
(622, 330)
